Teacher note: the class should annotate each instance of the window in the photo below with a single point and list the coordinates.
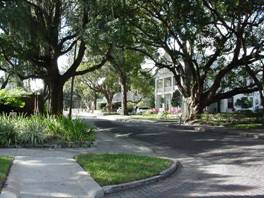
(230, 103)
(167, 82)
(174, 82)
(160, 84)
(257, 102)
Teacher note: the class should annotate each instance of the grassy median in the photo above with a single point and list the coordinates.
(110, 169)
(5, 163)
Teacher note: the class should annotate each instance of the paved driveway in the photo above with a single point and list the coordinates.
(215, 165)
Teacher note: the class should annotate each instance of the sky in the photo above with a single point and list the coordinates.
(63, 63)
(37, 84)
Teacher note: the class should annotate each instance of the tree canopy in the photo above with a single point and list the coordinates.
(210, 46)
(205, 44)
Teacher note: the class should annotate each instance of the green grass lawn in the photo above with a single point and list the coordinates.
(110, 169)
(248, 126)
(233, 120)
(5, 163)
(155, 117)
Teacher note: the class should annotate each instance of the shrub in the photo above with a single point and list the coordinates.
(12, 97)
(244, 102)
(176, 100)
(164, 115)
(153, 111)
(147, 113)
(175, 110)
(8, 134)
(36, 130)
(130, 107)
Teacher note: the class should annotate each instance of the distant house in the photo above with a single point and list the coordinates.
(131, 97)
(165, 86)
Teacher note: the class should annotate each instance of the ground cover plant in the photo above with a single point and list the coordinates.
(38, 130)
(110, 169)
(155, 115)
(240, 120)
(5, 163)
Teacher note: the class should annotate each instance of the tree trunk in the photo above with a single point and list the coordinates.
(109, 99)
(56, 97)
(124, 90)
(109, 106)
(3, 86)
(95, 101)
(192, 108)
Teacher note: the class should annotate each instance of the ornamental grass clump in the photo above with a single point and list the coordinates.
(39, 130)
(71, 130)
(8, 133)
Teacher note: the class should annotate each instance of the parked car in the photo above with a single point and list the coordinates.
(141, 110)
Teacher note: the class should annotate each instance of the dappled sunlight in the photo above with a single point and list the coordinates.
(215, 165)
(60, 194)
(153, 134)
(82, 173)
(123, 135)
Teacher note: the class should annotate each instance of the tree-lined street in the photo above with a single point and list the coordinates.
(86, 86)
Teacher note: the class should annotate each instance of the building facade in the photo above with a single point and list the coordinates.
(165, 86)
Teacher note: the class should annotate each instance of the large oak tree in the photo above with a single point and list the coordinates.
(112, 17)
(35, 33)
(206, 44)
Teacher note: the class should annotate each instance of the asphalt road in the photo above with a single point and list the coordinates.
(215, 165)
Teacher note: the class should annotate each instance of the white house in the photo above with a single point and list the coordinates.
(165, 86)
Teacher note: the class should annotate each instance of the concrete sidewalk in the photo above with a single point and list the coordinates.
(43, 173)
(33, 176)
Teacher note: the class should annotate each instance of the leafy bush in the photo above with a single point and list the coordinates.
(148, 113)
(12, 97)
(175, 110)
(176, 100)
(37, 130)
(130, 107)
(151, 111)
(244, 102)
(164, 115)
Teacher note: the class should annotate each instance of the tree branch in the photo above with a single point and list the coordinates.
(91, 69)
(229, 94)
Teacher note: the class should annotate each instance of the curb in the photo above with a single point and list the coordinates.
(206, 128)
(9, 188)
(162, 175)
(237, 132)
(10, 191)
(249, 135)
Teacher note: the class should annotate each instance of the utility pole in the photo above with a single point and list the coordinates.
(72, 85)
